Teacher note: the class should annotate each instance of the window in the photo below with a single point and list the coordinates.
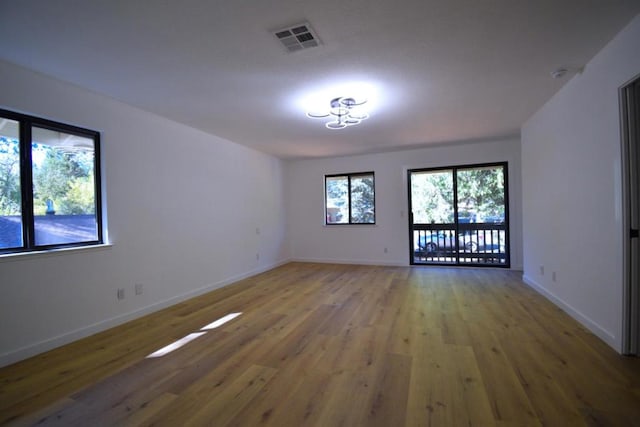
(49, 184)
(350, 198)
(459, 215)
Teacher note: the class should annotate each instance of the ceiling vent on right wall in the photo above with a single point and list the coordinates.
(297, 37)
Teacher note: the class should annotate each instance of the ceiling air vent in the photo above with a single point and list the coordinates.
(297, 37)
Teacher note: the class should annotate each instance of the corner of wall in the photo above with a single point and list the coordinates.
(584, 320)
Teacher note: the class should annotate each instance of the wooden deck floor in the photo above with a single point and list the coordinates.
(336, 345)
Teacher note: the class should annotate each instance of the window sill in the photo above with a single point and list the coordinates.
(22, 256)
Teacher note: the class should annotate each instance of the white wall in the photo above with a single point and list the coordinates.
(183, 208)
(362, 244)
(571, 172)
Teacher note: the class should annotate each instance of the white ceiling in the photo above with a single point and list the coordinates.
(442, 70)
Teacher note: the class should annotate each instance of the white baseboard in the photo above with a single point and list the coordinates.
(597, 330)
(66, 338)
(351, 262)
(385, 263)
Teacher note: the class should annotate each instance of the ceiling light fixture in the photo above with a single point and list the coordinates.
(344, 111)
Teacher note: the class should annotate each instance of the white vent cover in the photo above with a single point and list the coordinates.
(297, 37)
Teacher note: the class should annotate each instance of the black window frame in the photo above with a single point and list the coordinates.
(349, 177)
(454, 170)
(26, 124)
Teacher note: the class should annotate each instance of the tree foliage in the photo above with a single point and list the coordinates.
(480, 194)
(362, 200)
(9, 177)
(337, 188)
(432, 197)
(65, 178)
(357, 188)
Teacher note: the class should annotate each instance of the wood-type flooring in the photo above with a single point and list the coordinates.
(338, 345)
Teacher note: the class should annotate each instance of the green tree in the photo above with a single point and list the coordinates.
(337, 199)
(337, 188)
(481, 192)
(9, 177)
(358, 190)
(66, 178)
(432, 197)
(80, 198)
(362, 200)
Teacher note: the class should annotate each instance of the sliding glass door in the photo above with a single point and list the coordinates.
(459, 215)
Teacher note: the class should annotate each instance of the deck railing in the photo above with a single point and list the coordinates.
(468, 243)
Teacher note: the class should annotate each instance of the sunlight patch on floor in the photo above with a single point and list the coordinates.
(187, 339)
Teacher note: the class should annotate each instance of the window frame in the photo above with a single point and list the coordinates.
(454, 171)
(349, 177)
(26, 124)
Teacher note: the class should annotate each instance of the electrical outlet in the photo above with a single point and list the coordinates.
(120, 293)
(386, 250)
(138, 288)
(553, 276)
(257, 257)
(542, 270)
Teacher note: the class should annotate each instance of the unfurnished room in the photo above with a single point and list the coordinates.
(338, 213)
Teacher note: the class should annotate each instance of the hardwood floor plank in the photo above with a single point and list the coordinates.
(349, 397)
(233, 398)
(309, 397)
(149, 409)
(43, 416)
(547, 397)
(295, 342)
(357, 349)
(469, 390)
(507, 397)
(208, 386)
(390, 392)
(331, 345)
(272, 399)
